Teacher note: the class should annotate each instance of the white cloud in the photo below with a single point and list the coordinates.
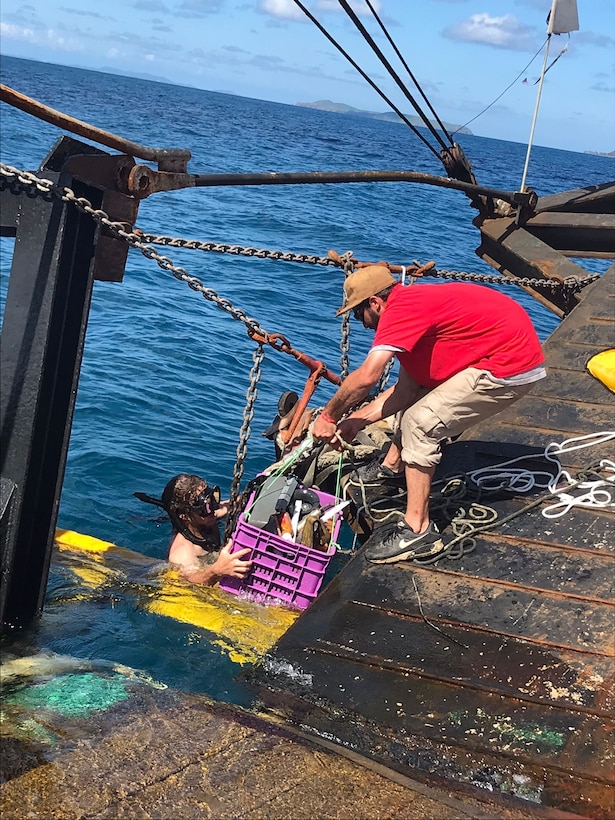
(16, 32)
(282, 9)
(59, 42)
(500, 32)
(51, 38)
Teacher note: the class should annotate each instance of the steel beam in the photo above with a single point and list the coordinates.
(43, 332)
(510, 247)
(586, 235)
(59, 250)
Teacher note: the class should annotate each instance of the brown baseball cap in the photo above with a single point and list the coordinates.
(363, 283)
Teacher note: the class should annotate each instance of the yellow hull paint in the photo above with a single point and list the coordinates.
(243, 630)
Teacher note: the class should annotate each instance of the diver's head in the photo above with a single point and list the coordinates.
(190, 498)
(191, 504)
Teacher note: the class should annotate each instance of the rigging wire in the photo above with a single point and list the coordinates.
(376, 49)
(368, 79)
(551, 64)
(407, 67)
(523, 70)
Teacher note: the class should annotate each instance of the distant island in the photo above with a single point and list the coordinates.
(388, 116)
(600, 154)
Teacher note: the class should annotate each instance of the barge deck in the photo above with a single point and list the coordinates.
(494, 671)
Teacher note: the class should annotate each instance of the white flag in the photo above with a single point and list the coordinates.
(563, 17)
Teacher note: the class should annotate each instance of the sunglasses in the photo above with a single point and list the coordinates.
(207, 501)
(359, 310)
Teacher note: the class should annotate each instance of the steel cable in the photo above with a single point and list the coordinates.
(365, 76)
(376, 49)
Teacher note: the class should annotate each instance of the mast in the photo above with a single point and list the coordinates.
(563, 18)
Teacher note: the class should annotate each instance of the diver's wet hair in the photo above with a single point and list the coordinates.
(184, 496)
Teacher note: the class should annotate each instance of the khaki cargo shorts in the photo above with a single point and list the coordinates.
(448, 410)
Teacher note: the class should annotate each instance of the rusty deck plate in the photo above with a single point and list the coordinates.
(495, 671)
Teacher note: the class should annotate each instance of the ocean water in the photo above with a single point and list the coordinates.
(165, 372)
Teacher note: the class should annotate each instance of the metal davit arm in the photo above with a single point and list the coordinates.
(168, 159)
(173, 163)
(327, 177)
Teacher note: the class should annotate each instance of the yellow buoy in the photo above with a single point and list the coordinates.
(602, 367)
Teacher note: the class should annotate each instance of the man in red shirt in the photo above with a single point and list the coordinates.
(465, 352)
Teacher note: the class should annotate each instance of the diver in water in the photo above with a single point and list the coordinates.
(195, 510)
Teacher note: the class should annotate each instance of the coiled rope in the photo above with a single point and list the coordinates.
(596, 483)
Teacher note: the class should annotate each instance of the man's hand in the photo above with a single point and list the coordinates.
(324, 430)
(348, 428)
(231, 564)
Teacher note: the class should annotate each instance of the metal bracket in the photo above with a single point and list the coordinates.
(107, 173)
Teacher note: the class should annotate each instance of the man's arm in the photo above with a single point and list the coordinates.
(357, 384)
(353, 390)
(396, 398)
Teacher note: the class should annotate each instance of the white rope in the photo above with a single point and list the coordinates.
(519, 479)
(598, 493)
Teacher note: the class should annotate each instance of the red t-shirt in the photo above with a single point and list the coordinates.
(442, 329)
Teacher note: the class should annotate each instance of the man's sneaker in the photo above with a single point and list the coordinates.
(401, 543)
(375, 473)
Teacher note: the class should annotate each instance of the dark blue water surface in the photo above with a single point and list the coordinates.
(165, 372)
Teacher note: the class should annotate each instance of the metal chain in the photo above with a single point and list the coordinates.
(345, 346)
(572, 282)
(35, 185)
(348, 266)
(258, 356)
(386, 375)
(235, 250)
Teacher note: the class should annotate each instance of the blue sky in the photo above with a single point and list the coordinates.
(464, 53)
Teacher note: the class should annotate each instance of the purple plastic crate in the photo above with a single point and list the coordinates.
(282, 571)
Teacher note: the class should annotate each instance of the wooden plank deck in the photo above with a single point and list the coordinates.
(495, 671)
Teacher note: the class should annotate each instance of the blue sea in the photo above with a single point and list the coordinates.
(165, 372)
